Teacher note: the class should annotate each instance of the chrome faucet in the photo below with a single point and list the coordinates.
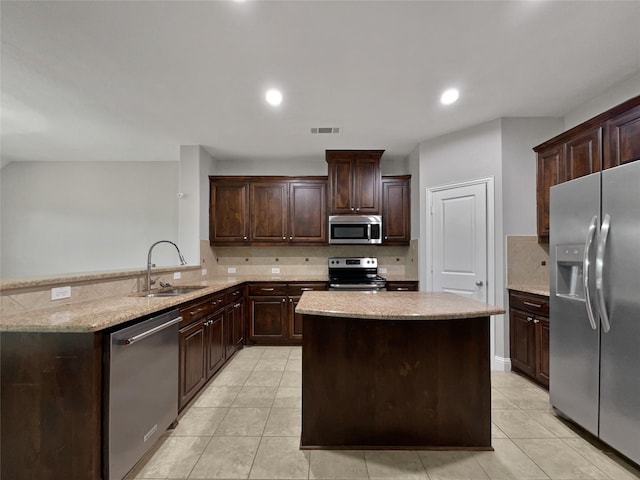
(149, 264)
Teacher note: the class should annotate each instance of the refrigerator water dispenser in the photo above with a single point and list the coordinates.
(569, 271)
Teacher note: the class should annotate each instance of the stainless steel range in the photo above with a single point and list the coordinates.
(355, 273)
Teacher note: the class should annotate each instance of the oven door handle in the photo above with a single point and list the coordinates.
(351, 286)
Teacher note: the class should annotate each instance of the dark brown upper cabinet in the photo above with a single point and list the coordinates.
(583, 154)
(623, 138)
(354, 181)
(268, 210)
(396, 210)
(605, 141)
(229, 211)
(551, 171)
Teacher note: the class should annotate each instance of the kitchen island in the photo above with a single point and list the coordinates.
(388, 370)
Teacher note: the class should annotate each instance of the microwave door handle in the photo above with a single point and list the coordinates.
(369, 231)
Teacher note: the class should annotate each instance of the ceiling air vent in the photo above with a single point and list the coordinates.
(325, 130)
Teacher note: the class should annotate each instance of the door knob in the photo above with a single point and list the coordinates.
(479, 283)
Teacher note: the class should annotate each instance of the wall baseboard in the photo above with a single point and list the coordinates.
(502, 364)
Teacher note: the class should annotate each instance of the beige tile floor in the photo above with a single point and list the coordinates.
(246, 424)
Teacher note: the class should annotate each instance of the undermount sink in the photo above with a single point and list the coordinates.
(172, 292)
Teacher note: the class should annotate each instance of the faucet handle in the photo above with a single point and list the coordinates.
(164, 285)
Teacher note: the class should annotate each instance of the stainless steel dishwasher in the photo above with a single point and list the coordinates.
(142, 389)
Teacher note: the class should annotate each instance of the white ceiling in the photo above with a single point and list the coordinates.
(135, 80)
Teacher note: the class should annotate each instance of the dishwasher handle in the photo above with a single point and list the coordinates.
(147, 333)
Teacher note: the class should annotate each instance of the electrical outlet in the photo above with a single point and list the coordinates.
(59, 293)
(275, 270)
(382, 270)
(177, 276)
(204, 272)
(231, 269)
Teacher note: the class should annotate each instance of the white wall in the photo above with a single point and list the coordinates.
(272, 167)
(63, 217)
(189, 205)
(519, 136)
(613, 96)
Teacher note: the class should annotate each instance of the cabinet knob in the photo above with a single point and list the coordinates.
(358, 209)
(386, 237)
(245, 238)
(291, 237)
(284, 238)
(283, 300)
(535, 320)
(352, 209)
(529, 319)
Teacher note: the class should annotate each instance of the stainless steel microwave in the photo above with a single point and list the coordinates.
(355, 229)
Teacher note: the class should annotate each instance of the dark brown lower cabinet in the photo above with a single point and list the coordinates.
(211, 331)
(529, 335)
(193, 370)
(234, 317)
(216, 348)
(272, 317)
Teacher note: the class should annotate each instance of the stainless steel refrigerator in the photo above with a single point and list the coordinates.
(595, 305)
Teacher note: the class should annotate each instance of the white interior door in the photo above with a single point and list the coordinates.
(458, 240)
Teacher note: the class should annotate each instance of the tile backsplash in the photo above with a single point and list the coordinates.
(303, 260)
(527, 261)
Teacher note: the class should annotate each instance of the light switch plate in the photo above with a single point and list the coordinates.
(382, 270)
(59, 293)
(204, 272)
(177, 276)
(275, 270)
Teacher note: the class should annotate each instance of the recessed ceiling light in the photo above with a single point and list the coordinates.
(449, 96)
(273, 96)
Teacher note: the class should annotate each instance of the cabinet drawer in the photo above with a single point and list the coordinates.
(200, 308)
(297, 289)
(256, 289)
(402, 286)
(233, 295)
(529, 302)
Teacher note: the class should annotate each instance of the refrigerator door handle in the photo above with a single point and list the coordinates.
(585, 268)
(600, 252)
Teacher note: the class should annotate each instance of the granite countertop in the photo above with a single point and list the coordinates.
(393, 305)
(535, 289)
(95, 315)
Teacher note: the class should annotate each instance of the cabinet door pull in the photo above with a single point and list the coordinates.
(196, 311)
(535, 305)
(402, 289)
(306, 289)
(267, 289)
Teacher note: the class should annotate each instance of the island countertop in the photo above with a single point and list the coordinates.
(393, 305)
